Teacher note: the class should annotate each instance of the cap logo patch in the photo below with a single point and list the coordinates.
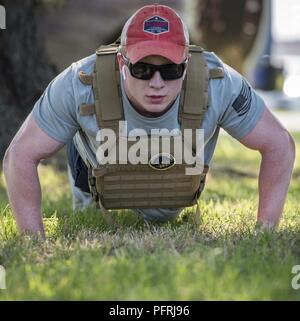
(156, 25)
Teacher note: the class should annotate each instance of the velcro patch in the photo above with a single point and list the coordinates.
(156, 25)
(243, 101)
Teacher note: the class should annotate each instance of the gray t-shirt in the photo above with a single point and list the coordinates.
(233, 106)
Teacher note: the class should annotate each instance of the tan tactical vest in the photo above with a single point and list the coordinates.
(122, 186)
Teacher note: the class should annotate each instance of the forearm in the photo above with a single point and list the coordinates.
(274, 179)
(24, 192)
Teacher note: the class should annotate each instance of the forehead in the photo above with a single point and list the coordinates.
(156, 60)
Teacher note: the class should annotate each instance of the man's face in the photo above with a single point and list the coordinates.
(151, 97)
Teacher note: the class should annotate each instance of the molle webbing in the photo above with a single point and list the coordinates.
(147, 188)
(87, 109)
(86, 79)
(215, 73)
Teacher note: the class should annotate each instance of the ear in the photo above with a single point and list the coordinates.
(122, 65)
(188, 58)
(121, 61)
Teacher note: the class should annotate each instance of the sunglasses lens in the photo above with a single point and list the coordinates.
(172, 71)
(144, 71)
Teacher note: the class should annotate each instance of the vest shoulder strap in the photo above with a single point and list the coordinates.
(194, 94)
(108, 101)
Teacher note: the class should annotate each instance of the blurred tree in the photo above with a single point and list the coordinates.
(228, 27)
(25, 70)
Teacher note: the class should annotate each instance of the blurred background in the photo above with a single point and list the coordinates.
(259, 38)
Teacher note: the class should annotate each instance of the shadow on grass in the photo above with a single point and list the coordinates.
(92, 221)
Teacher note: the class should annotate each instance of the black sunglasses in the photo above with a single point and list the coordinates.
(145, 71)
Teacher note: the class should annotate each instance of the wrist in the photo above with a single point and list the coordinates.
(264, 226)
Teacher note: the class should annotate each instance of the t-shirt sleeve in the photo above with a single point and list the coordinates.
(55, 111)
(242, 108)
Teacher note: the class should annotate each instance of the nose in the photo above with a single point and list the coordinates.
(156, 81)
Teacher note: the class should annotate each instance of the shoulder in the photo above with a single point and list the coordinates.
(86, 64)
(66, 89)
(232, 82)
(80, 91)
(213, 61)
(68, 78)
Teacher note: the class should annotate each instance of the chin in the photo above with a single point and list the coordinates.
(156, 109)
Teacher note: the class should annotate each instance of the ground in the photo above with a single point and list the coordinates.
(224, 258)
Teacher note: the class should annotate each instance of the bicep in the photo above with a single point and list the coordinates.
(268, 134)
(32, 143)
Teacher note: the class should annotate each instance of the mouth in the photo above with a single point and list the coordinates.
(156, 99)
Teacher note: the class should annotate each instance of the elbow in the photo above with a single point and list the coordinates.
(288, 147)
(282, 147)
(14, 157)
(9, 159)
(292, 147)
(17, 157)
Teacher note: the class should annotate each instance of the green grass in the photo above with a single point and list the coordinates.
(223, 259)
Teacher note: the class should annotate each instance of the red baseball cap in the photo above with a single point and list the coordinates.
(155, 30)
